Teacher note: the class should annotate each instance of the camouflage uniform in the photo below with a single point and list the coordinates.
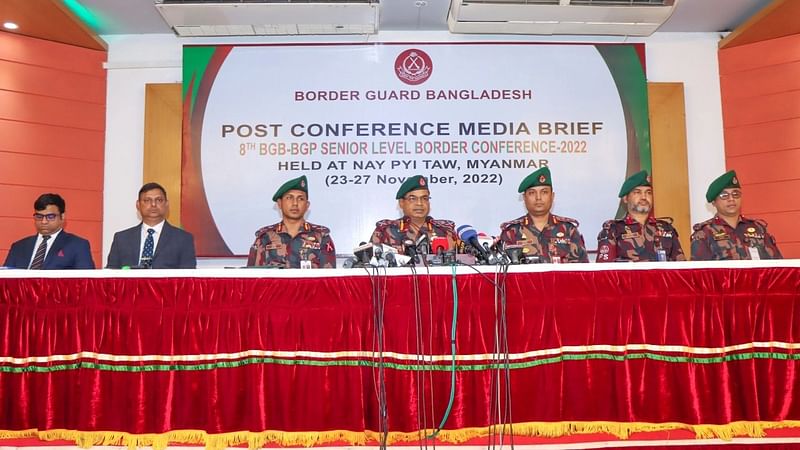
(275, 247)
(714, 239)
(395, 232)
(626, 240)
(559, 238)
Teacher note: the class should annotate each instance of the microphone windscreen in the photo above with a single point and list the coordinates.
(467, 233)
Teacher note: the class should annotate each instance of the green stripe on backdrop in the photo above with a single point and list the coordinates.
(398, 366)
(195, 62)
(629, 77)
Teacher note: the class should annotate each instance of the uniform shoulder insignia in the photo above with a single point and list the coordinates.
(384, 223)
(319, 228)
(449, 224)
(261, 231)
(666, 219)
(701, 225)
(609, 223)
(761, 222)
(565, 219)
(510, 223)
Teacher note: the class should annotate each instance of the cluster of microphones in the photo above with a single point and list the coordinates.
(480, 250)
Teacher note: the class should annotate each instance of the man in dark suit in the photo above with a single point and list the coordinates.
(154, 243)
(51, 247)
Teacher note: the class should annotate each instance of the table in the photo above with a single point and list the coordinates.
(297, 357)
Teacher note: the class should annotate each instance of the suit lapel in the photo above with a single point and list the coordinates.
(57, 246)
(27, 250)
(162, 240)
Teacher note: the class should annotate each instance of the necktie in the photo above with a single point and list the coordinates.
(38, 259)
(147, 251)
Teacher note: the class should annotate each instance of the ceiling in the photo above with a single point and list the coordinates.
(109, 17)
(140, 16)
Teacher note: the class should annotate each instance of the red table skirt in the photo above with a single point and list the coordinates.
(365, 359)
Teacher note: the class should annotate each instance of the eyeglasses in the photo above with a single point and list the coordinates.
(153, 201)
(415, 199)
(40, 217)
(727, 195)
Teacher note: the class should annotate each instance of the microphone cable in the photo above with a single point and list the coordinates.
(378, 284)
(453, 325)
(499, 406)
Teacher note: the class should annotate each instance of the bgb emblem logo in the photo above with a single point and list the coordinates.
(413, 66)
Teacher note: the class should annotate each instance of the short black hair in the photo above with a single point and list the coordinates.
(150, 186)
(50, 199)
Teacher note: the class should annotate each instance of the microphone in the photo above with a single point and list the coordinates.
(514, 252)
(422, 245)
(498, 250)
(410, 248)
(468, 234)
(363, 252)
(439, 245)
(410, 251)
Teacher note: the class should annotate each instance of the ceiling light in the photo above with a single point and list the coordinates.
(10, 26)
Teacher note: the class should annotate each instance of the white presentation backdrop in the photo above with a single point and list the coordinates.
(474, 119)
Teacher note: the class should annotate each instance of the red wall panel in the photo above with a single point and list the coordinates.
(760, 85)
(52, 127)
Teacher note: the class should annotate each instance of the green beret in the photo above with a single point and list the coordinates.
(635, 180)
(724, 181)
(412, 184)
(300, 184)
(540, 177)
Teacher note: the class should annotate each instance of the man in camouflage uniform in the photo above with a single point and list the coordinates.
(292, 240)
(539, 233)
(638, 236)
(414, 200)
(729, 235)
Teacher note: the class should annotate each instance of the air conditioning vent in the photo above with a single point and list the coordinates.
(269, 17)
(550, 17)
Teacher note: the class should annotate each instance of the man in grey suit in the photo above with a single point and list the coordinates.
(154, 243)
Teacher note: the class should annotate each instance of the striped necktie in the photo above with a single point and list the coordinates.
(38, 259)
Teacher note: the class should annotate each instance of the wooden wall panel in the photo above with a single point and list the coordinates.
(762, 81)
(43, 139)
(779, 18)
(79, 207)
(163, 116)
(766, 167)
(761, 54)
(763, 137)
(39, 52)
(761, 108)
(770, 197)
(55, 172)
(670, 166)
(52, 127)
(760, 87)
(58, 83)
(24, 107)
